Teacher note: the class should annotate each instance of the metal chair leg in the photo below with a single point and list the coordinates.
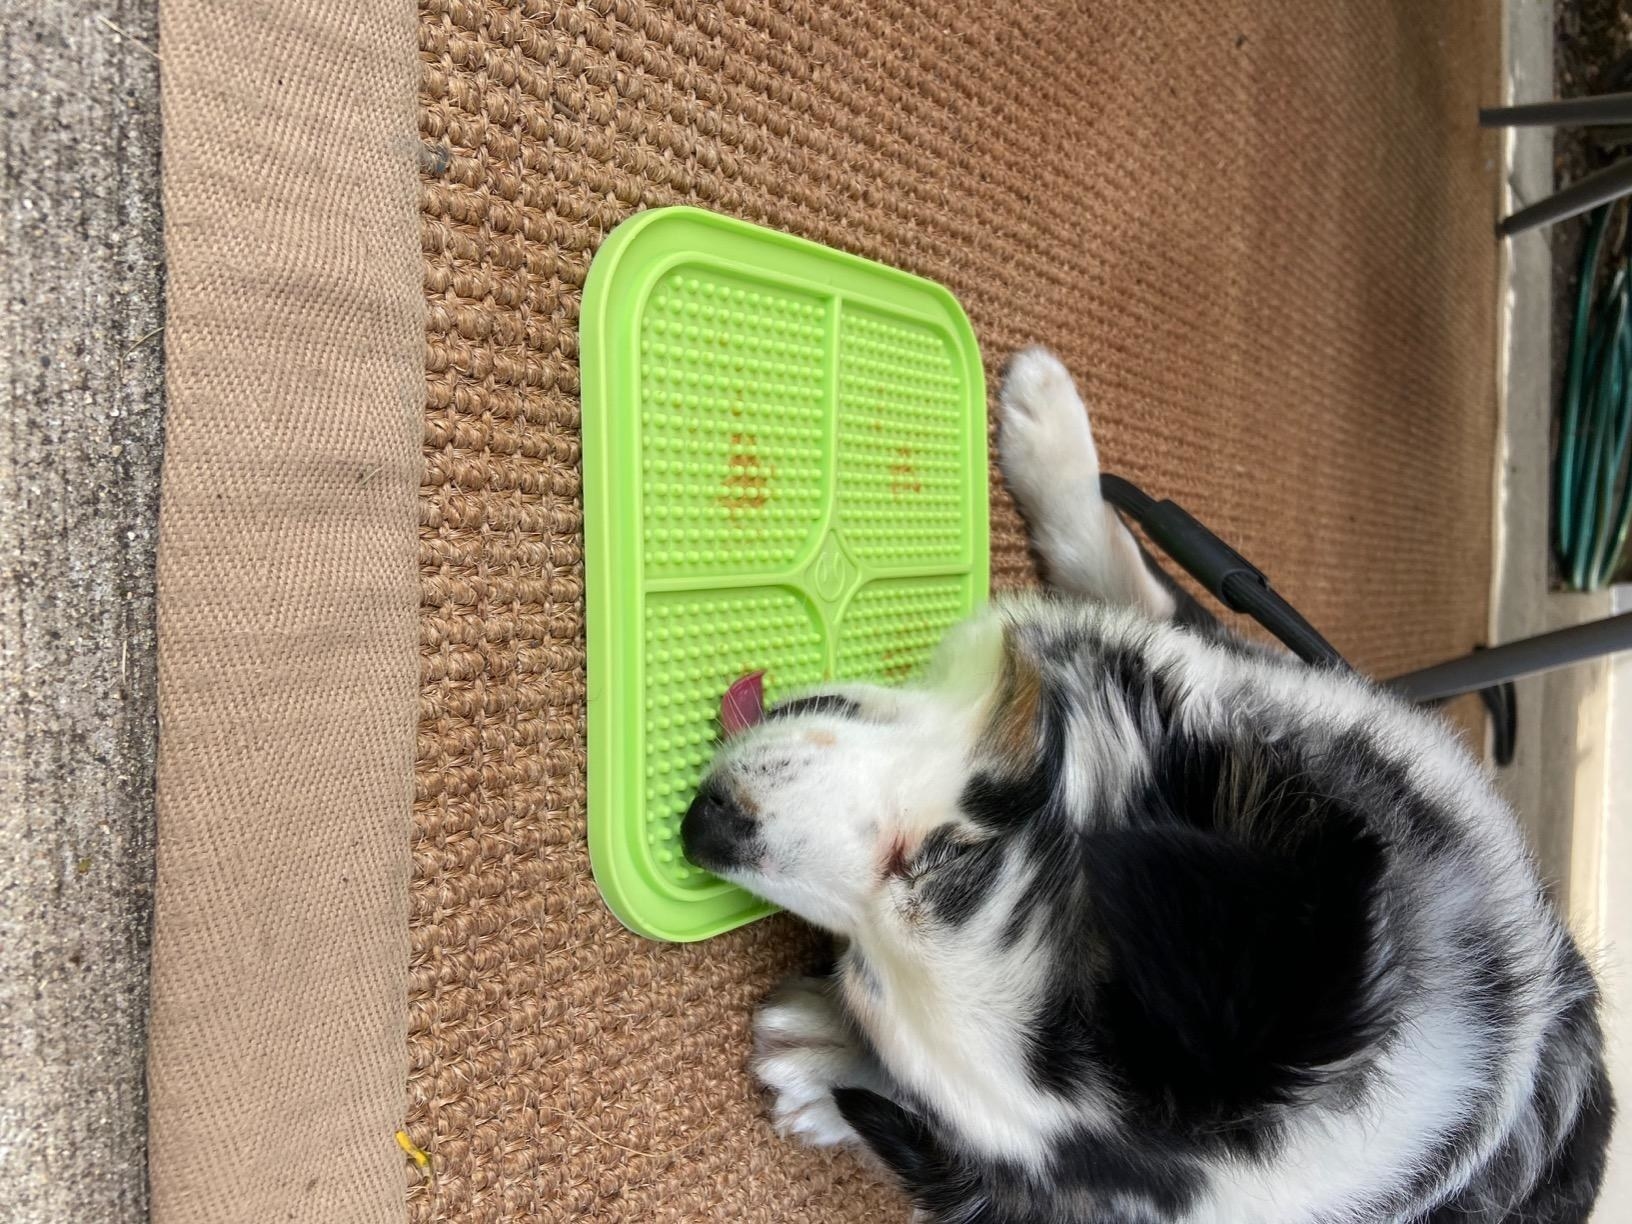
(1610, 183)
(1503, 706)
(1512, 660)
(1606, 110)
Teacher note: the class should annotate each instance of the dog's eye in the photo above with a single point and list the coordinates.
(817, 703)
(937, 850)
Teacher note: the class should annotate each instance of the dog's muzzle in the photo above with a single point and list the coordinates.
(716, 833)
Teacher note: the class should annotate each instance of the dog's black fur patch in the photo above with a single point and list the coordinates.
(1088, 1167)
(819, 703)
(1211, 964)
(956, 881)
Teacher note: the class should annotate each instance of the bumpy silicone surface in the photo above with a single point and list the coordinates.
(784, 468)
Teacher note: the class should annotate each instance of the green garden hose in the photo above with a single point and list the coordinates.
(1593, 482)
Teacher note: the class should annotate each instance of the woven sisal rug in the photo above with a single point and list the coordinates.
(1261, 239)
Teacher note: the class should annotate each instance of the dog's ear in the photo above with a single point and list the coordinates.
(1024, 734)
(1017, 715)
(896, 1136)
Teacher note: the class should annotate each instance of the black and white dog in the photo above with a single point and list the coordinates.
(1143, 923)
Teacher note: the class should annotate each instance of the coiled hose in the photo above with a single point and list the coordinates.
(1592, 482)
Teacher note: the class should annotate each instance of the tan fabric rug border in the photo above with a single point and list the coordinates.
(295, 341)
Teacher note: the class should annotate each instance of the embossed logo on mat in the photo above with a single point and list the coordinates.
(831, 573)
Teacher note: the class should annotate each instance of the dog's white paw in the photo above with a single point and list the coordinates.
(1044, 443)
(803, 1049)
(1052, 468)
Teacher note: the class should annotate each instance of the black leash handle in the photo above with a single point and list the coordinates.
(1233, 580)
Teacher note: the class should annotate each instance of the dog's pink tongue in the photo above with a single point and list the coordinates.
(743, 704)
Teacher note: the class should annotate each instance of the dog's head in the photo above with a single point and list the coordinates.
(841, 803)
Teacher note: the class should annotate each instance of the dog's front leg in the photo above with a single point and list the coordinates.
(1052, 467)
(804, 1048)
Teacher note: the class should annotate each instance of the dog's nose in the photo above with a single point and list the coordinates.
(716, 833)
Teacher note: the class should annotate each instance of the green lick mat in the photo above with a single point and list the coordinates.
(784, 469)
